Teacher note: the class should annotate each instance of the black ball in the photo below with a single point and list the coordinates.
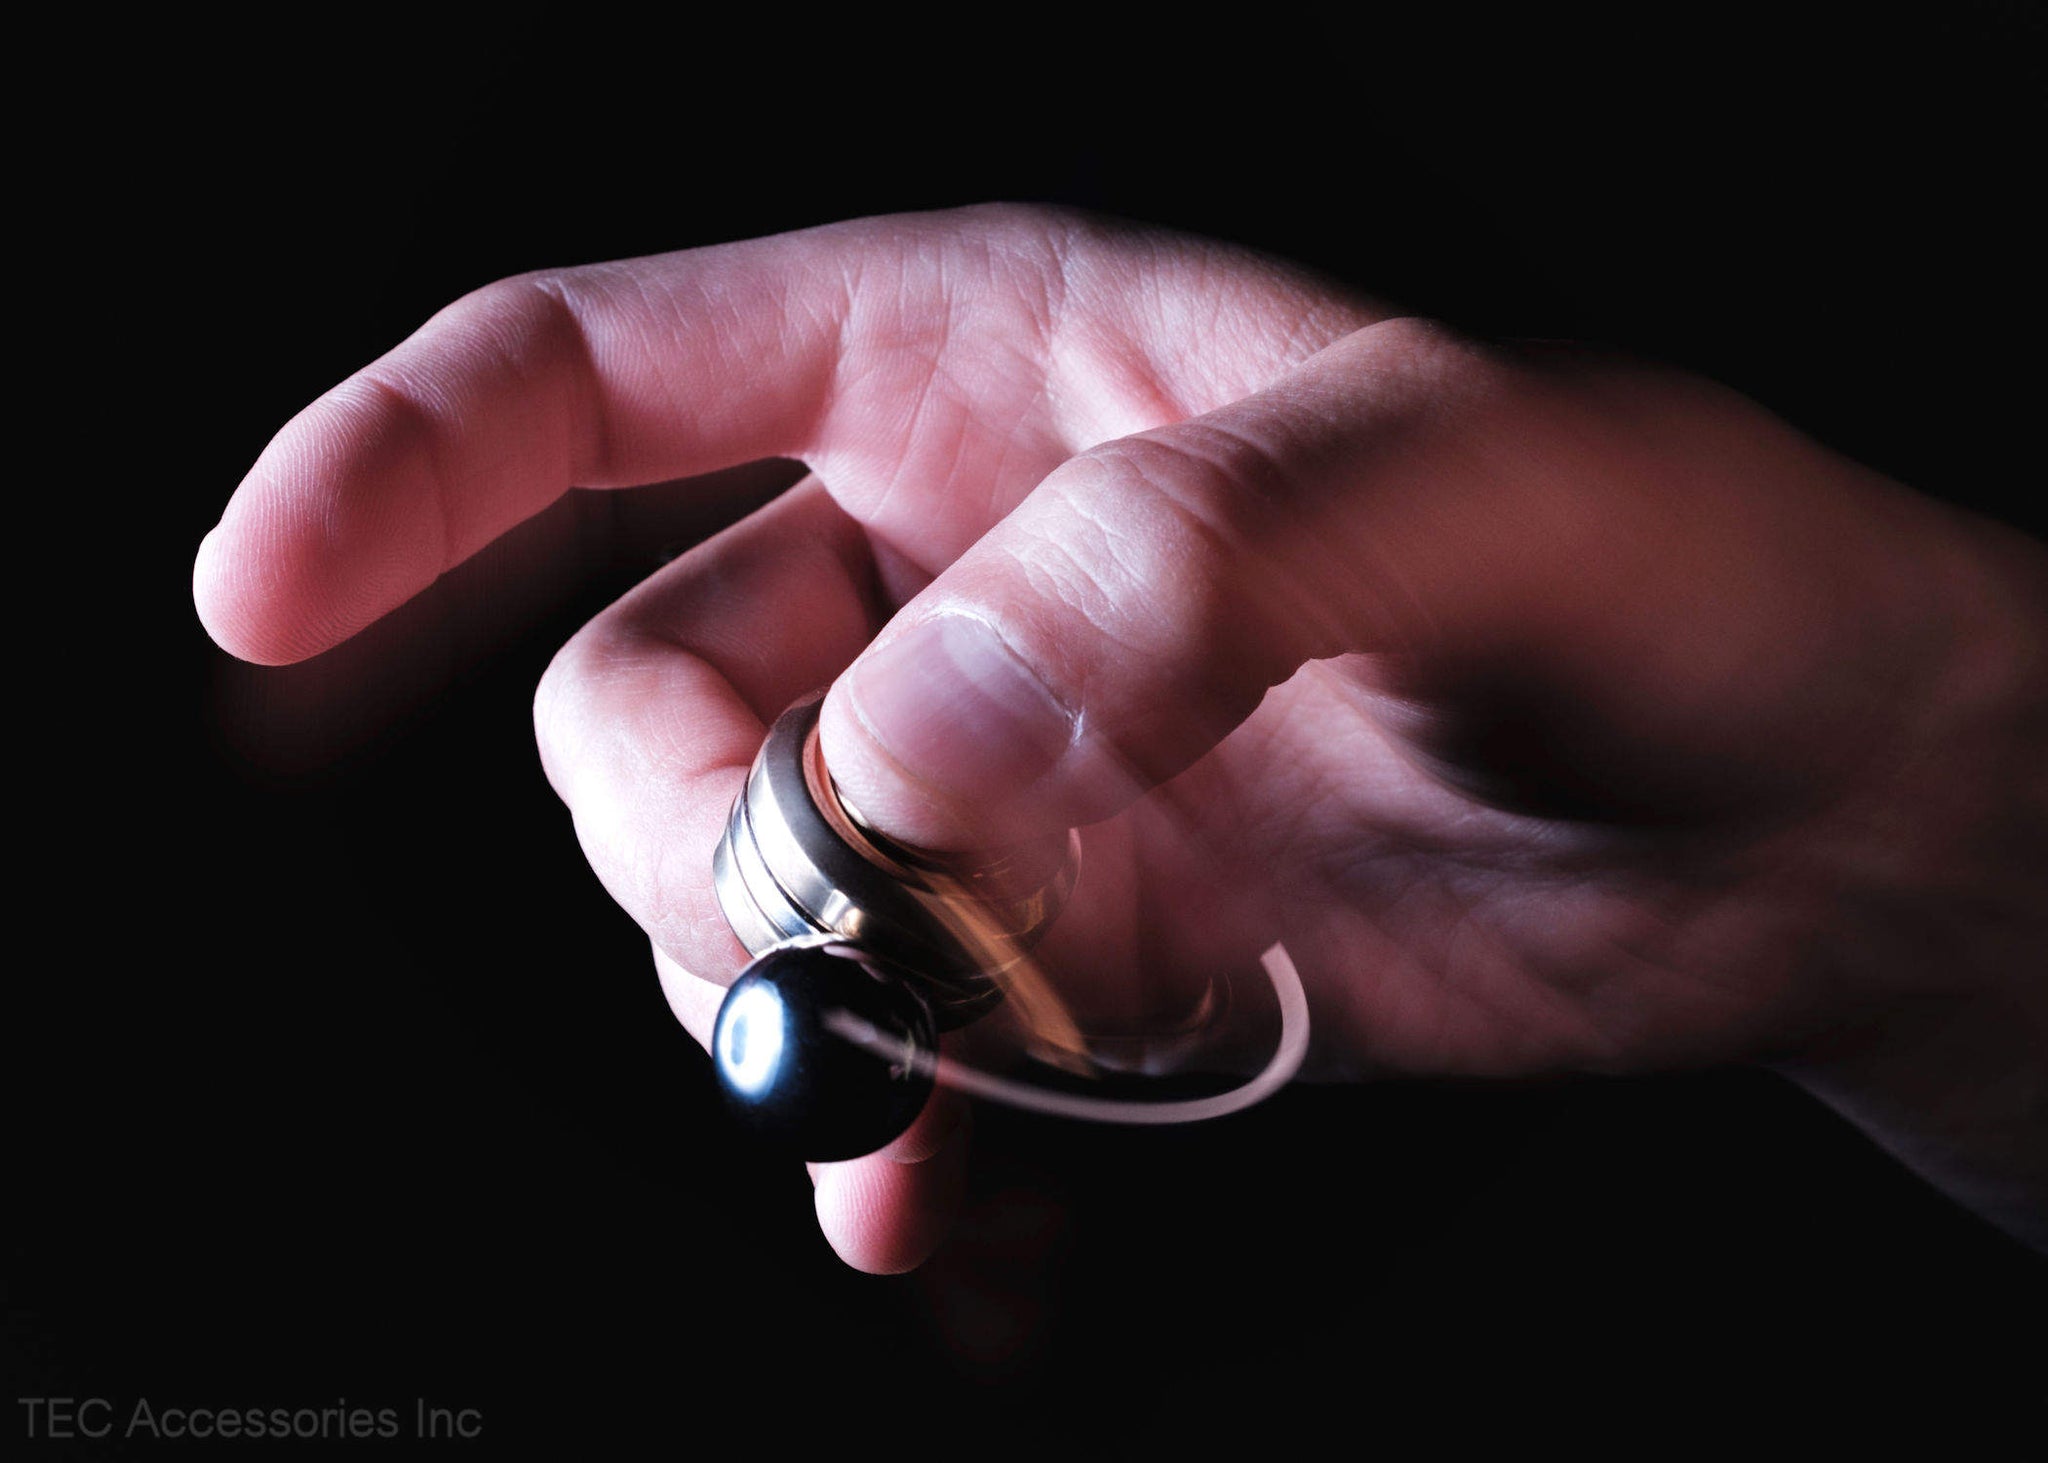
(796, 1053)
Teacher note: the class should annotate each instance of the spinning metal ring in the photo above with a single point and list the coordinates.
(796, 861)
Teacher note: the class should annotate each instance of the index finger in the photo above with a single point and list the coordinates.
(610, 375)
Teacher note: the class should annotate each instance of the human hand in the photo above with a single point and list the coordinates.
(1557, 712)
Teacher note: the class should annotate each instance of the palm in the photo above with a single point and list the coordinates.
(1443, 933)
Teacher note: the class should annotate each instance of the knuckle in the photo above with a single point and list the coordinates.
(537, 315)
(1429, 362)
(536, 297)
(1153, 534)
(1215, 482)
(1003, 214)
(1025, 220)
(1419, 341)
(387, 401)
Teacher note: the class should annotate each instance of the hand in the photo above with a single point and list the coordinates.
(1558, 712)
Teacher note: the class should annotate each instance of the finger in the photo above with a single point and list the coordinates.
(1140, 603)
(496, 407)
(846, 346)
(693, 999)
(648, 721)
(649, 718)
(604, 376)
(307, 715)
(886, 1213)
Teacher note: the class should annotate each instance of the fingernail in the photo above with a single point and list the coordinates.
(957, 709)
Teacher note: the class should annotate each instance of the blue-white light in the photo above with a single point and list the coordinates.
(750, 1038)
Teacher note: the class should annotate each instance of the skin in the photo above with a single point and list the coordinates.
(1559, 712)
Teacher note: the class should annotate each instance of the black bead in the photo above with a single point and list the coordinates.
(790, 1048)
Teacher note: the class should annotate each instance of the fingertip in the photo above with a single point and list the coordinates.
(205, 595)
(247, 579)
(338, 522)
(220, 594)
(886, 1217)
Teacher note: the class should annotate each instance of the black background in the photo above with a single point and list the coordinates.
(338, 1076)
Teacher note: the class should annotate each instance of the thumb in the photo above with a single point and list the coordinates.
(1137, 607)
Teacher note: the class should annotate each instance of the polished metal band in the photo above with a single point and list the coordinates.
(796, 861)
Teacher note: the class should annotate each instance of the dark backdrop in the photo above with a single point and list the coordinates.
(337, 1074)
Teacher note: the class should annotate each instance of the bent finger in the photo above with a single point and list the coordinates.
(649, 718)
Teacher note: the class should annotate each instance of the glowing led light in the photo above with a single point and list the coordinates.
(750, 1038)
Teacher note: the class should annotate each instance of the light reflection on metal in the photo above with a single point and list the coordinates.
(797, 864)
